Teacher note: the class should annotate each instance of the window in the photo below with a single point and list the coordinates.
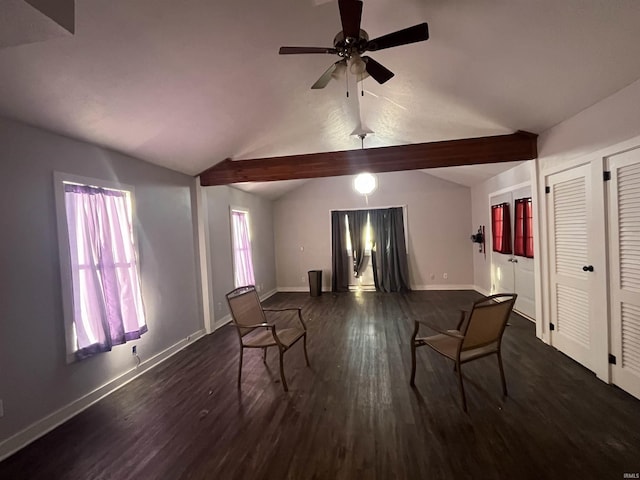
(100, 275)
(523, 242)
(368, 237)
(501, 228)
(242, 264)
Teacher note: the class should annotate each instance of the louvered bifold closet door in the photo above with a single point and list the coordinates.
(624, 244)
(569, 213)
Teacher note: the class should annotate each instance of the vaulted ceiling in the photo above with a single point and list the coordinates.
(188, 84)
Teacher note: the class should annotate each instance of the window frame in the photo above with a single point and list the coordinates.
(506, 247)
(246, 212)
(66, 274)
(405, 220)
(522, 223)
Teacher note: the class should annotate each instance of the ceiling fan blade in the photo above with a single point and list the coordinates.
(297, 50)
(379, 72)
(417, 33)
(350, 15)
(328, 75)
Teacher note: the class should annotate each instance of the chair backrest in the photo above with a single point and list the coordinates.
(487, 320)
(245, 307)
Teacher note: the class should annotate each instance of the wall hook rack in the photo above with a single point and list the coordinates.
(479, 238)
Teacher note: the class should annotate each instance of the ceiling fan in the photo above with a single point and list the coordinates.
(350, 43)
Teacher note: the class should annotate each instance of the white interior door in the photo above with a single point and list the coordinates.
(569, 205)
(624, 248)
(525, 286)
(523, 269)
(511, 273)
(502, 279)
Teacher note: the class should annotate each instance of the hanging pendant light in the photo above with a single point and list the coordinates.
(365, 183)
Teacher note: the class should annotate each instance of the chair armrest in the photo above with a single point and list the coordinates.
(265, 325)
(298, 309)
(435, 329)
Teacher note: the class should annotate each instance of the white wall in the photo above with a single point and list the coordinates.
(439, 219)
(35, 379)
(219, 199)
(608, 122)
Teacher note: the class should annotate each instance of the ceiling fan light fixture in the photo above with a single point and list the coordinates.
(352, 41)
(357, 66)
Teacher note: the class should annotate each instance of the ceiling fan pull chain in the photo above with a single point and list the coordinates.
(346, 77)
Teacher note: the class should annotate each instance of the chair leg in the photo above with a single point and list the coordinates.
(240, 366)
(464, 399)
(264, 354)
(284, 381)
(504, 382)
(304, 345)
(413, 365)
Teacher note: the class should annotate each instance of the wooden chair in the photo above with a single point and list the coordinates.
(255, 332)
(476, 336)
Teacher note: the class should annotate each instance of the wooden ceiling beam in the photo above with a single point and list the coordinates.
(448, 153)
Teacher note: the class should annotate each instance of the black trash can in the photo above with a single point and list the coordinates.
(315, 282)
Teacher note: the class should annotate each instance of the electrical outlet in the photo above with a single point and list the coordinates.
(134, 350)
(433, 276)
(303, 278)
(1, 409)
(445, 275)
(219, 306)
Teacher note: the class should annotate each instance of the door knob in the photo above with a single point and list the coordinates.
(588, 268)
(515, 260)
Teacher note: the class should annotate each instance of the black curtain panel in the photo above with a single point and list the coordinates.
(389, 255)
(339, 258)
(357, 234)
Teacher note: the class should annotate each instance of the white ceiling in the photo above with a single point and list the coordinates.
(187, 84)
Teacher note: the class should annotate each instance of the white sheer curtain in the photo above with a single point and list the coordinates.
(107, 302)
(242, 264)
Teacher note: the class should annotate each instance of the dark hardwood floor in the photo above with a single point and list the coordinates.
(352, 414)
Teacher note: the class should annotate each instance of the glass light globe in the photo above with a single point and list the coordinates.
(357, 67)
(365, 183)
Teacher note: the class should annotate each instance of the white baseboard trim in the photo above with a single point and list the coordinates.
(482, 291)
(41, 427)
(413, 287)
(222, 322)
(443, 287)
(270, 293)
(525, 316)
(295, 289)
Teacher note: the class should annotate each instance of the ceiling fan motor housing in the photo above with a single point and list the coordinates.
(349, 46)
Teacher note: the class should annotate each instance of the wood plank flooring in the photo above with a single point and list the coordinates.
(352, 414)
